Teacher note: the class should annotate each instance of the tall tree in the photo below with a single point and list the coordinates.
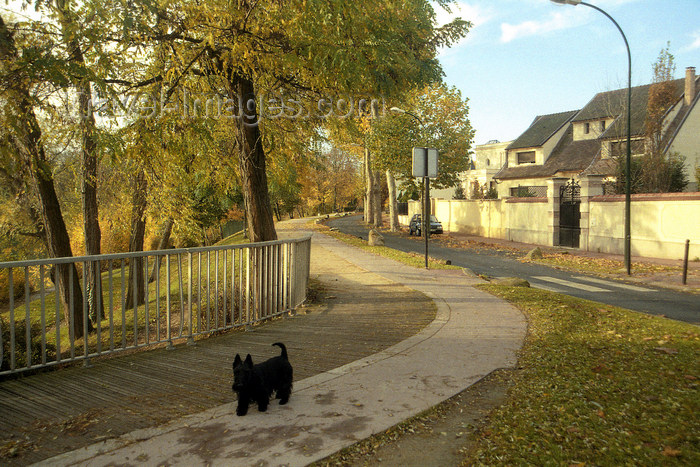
(308, 48)
(655, 171)
(444, 125)
(26, 136)
(89, 149)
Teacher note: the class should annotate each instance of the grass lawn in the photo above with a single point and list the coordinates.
(597, 385)
(411, 259)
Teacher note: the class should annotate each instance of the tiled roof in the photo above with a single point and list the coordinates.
(614, 103)
(583, 157)
(569, 156)
(541, 129)
(605, 167)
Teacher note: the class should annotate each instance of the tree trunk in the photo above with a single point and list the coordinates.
(138, 231)
(91, 222)
(393, 207)
(251, 160)
(278, 212)
(91, 225)
(377, 198)
(369, 189)
(162, 245)
(31, 147)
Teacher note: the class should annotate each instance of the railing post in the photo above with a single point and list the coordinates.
(43, 314)
(57, 301)
(86, 336)
(169, 346)
(12, 319)
(248, 326)
(271, 280)
(190, 338)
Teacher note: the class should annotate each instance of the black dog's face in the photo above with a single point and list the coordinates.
(242, 372)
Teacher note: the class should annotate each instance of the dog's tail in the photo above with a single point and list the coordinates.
(284, 349)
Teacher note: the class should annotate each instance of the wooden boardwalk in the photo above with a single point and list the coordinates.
(357, 314)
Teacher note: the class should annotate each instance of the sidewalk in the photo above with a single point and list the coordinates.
(473, 334)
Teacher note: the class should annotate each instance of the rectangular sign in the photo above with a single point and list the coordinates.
(419, 162)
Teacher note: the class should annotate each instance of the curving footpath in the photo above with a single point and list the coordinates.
(473, 334)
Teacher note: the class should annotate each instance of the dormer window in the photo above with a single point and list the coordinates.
(526, 157)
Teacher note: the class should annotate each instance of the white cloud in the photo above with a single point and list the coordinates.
(695, 35)
(557, 21)
(477, 14)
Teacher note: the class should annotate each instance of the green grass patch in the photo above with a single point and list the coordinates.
(235, 239)
(411, 259)
(597, 385)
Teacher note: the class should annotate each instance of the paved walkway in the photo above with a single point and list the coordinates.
(473, 334)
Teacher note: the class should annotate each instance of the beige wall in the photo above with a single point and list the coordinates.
(490, 156)
(594, 128)
(522, 225)
(661, 223)
(513, 156)
(687, 143)
(473, 217)
(491, 218)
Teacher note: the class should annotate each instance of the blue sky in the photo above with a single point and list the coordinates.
(524, 58)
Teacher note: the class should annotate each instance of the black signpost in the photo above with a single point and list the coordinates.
(425, 162)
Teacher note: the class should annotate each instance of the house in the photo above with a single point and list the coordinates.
(585, 142)
(488, 159)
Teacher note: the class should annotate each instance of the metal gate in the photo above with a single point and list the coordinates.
(570, 214)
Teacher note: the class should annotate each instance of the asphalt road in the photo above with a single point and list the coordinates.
(646, 299)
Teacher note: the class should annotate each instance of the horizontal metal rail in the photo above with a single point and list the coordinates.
(54, 314)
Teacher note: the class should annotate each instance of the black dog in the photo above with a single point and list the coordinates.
(257, 382)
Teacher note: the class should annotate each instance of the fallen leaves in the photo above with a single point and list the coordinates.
(596, 385)
(666, 350)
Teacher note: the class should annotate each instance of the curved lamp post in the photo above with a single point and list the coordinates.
(426, 184)
(628, 262)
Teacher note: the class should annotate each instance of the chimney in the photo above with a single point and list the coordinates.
(689, 85)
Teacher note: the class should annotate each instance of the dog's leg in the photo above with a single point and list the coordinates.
(263, 401)
(242, 408)
(283, 394)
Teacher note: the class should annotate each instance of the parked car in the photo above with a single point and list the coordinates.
(416, 225)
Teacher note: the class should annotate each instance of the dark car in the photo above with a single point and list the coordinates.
(416, 225)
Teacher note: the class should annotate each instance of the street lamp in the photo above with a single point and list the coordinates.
(628, 184)
(426, 184)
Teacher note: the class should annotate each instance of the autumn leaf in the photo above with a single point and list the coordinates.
(670, 452)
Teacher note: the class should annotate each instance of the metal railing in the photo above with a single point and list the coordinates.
(176, 295)
(528, 191)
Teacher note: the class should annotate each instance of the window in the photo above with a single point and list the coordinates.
(527, 157)
(488, 162)
(586, 128)
(619, 148)
(602, 126)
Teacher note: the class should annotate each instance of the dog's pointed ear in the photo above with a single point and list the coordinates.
(237, 360)
(248, 361)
